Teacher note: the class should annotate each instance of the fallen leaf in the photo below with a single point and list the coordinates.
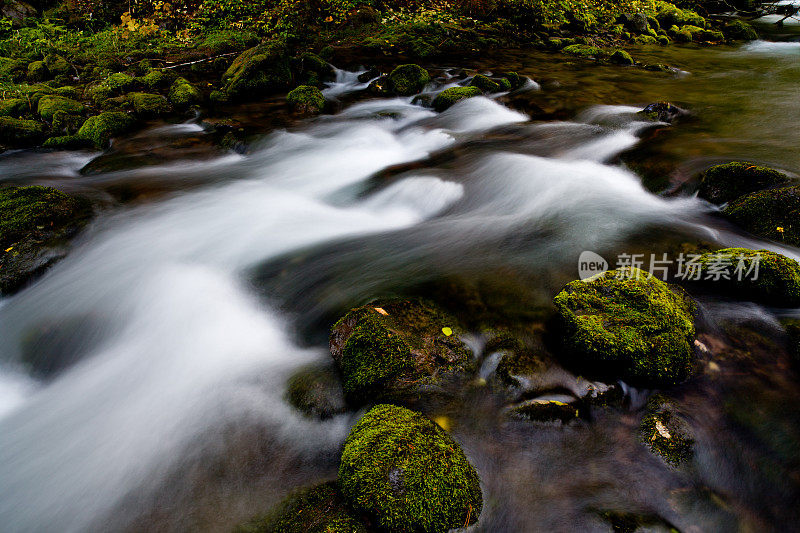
(9, 248)
(662, 430)
(447, 331)
(381, 311)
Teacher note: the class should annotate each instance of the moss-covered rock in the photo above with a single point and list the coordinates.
(316, 392)
(320, 509)
(20, 132)
(14, 107)
(389, 349)
(258, 71)
(149, 105)
(408, 474)
(67, 123)
(182, 94)
(621, 57)
(665, 433)
(305, 100)
(38, 71)
(700, 35)
(544, 411)
(50, 105)
(670, 15)
(120, 82)
(407, 80)
(68, 142)
(33, 221)
(758, 275)
(56, 64)
(158, 79)
(313, 70)
(68, 91)
(585, 51)
(773, 213)
(626, 323)
(723, 183)
(485, 84)
(100, 128)
(450, 96)
(662, 111)
(739, 30)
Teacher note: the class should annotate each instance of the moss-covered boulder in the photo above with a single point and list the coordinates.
(621, 57)
(316, 392)
(101, 128)
(723, 183)
(584, 50)
(773, 213)
(390, 349)
(56, 64)
(406, 473)
(14, 107)
(700, 35)
(757, 275)
(20, 132)
(537, 410)
(628, 324)
(158, 79)
(183, 95)
(66, 123)
(35, 222)
(665, 432)
(485, 84)
(407, 80)
(120, 82)
(50, 105)
(320, 509)
(305, 100)
(38, 71)
(313, 70)
(739, 30)
(670, 15)
(68, 142)
(257, 71)
(149, 105)
(450, 96)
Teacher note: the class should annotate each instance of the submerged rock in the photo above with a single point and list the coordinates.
(626, 323)
(305, 100)
(758, 275)
(544, 411)
(320, 509)
(257, 71)
(35, 224)
(450, 96)
(663, 111)
(723, 183)
(774, 214)
(665, 433)
(100, 128)
(316, 392)
(406, 472)
(407, 80)
(390, 349)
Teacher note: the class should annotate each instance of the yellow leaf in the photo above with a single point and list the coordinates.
(443, 422)
(381, 311)
(9, 248)
(447, 331)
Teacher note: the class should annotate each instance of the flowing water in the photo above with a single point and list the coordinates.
(155, 401)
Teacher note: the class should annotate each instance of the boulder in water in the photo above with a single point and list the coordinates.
(100, 128)
(739, 30)
(316, 392)
(722, 183)
(407, 80)
(665, 433)
(663, 112)
(183, 95)
(538, 410)
(258, 71)
(621, 57)
(773, 213)
(313, 70)
(485, 84)
(626, 323)
(408, 474)
(305, 100)
(450, 96)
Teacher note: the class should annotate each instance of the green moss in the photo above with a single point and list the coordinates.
(120, 82)
(775, 282)
(56, 64)
(408, 474)
(157, 79)
(389, 355)
(29, 212)
(313, 70)
(723, 183)
(407, 80)
(50, 105)
(740, 31)
(668, 15)
(700, 34)
(66, 123)
(504, 84)
(99, 93)
(484, 84)
(149, 105)
(626, 323)
(257, 71)
(68, 142)
(306, 100)
(450, 96)
(646, 39)
(14, 107)
(100, 128)
(621, 57)
(584, 50)
(20, 132)
(320, 509)
(774, 214)
(544, 411)
(665, 433)
(663, 40)
(68, 92)
(37, 71)
(183, 94)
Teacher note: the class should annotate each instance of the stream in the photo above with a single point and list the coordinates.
(156, 400)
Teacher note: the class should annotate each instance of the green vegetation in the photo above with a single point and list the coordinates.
(149, 105)
(407, 80)
(772, 213)
(628, 323)
(20, 132)
(183, 94)
(99, 129)
(450, 96)
(408, 474)
(50, 105)
(306, 100)
(485, 84)
(664, 432)
(723, 183)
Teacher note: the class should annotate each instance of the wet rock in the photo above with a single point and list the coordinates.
(149, 105)
(634, 22)
(408, 474)
(35, 223)
(17, 11)
(485, 84)
(626, 522)
(101, 128)
(774, 214)
(313, 70)
(626, 323)
(670, 15)
(540, 410)
(20, 132)
(739, 30)
(381, 86)
(450, 96)
(621, 57)
(391, 349)
(723, 183)
(258, 71)
(407, 80)
(67, 123)
(38, 71)
(316, 392)
(68, 142)
(50, 105)
(665, 433)
(320, 509)
(585, 51)
(184, 95)
(370, 74)
(663, 112)
(305, 100)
